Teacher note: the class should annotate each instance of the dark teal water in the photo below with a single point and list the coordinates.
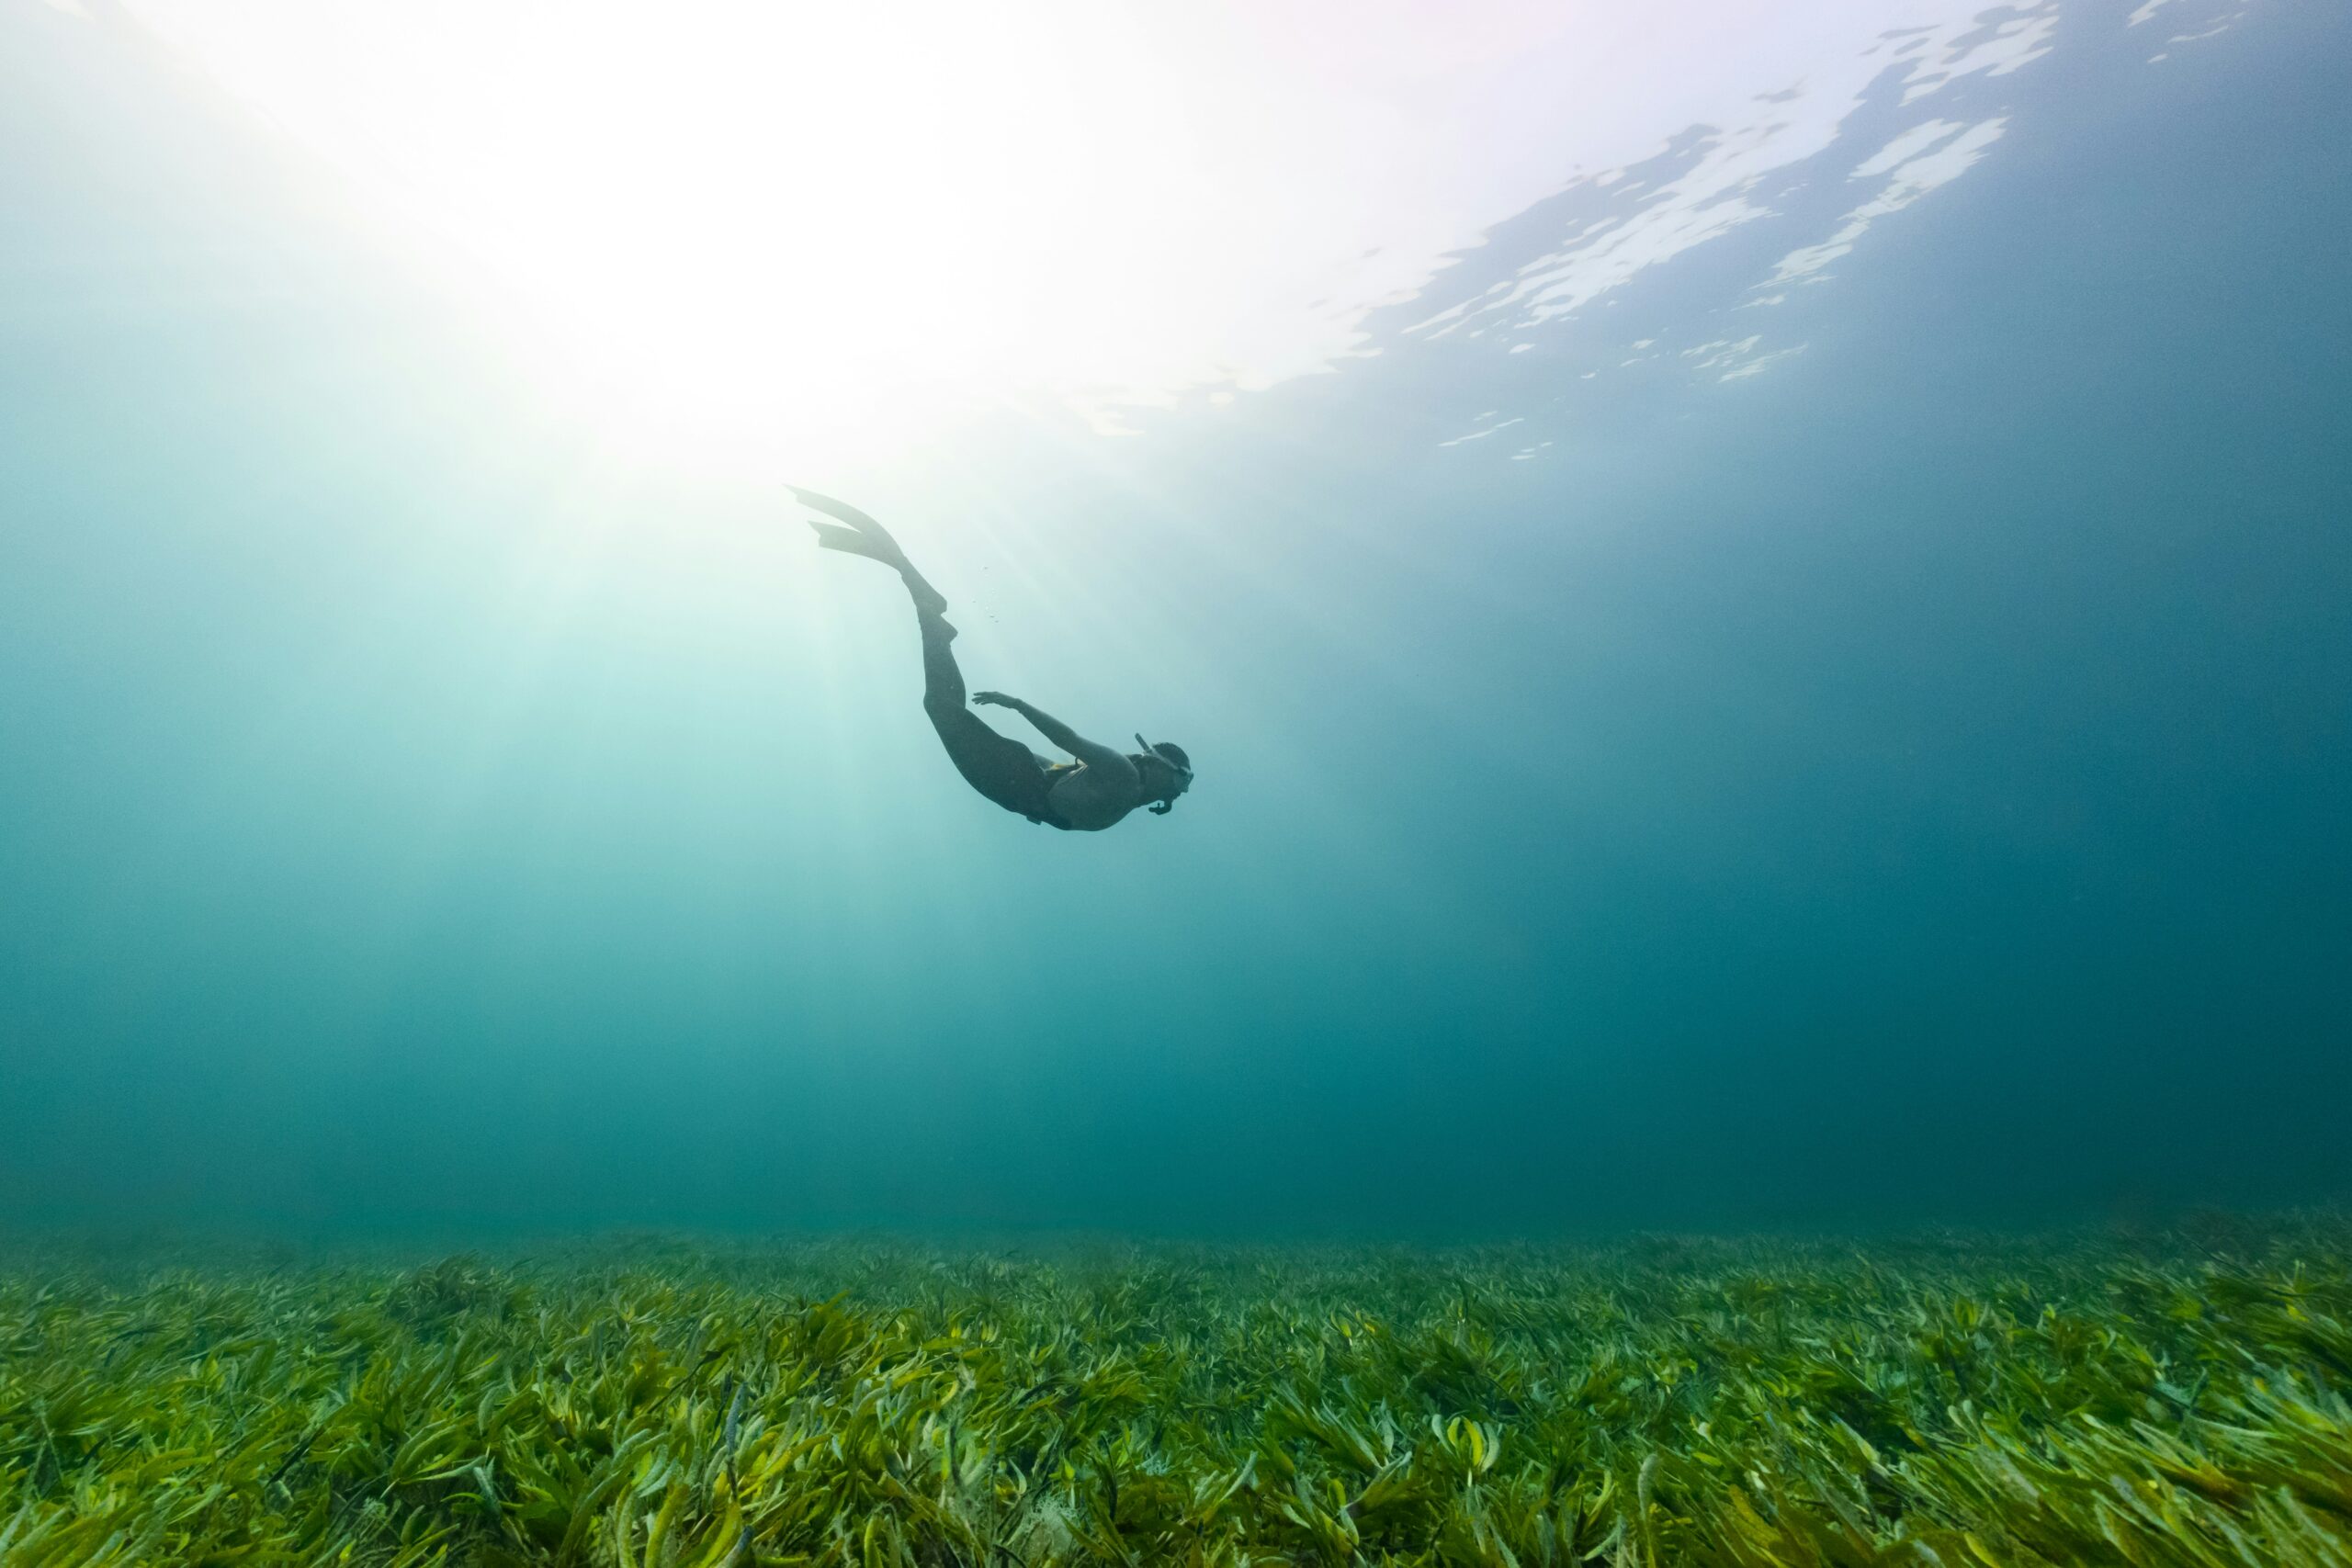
(1904, 786)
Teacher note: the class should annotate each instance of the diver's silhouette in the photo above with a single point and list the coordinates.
(1087, 795)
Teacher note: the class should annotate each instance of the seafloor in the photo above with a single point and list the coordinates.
(2111, 1398)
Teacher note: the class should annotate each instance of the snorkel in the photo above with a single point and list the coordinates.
(1182, 770)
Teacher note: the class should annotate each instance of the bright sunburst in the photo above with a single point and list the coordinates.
(739, 220)
(762, 233)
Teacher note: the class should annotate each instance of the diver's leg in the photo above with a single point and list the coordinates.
(1001, 768)
(943, 680)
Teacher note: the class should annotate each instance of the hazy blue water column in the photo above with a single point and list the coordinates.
(1908, 786)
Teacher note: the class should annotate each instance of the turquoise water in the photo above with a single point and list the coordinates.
(1901, 785)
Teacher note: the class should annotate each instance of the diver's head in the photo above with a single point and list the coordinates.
(1166, 771)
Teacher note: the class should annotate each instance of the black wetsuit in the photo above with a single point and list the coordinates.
(998, 766)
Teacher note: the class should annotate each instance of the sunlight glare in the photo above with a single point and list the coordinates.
(755, 219)
(787, 237)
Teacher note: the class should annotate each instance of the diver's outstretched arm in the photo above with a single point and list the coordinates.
(1092, 753)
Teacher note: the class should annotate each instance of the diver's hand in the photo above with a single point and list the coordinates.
(994, 700)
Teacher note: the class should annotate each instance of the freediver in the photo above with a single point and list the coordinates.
(1095, 792)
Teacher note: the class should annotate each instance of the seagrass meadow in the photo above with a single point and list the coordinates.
(2087, 1399)
(1757, 592)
